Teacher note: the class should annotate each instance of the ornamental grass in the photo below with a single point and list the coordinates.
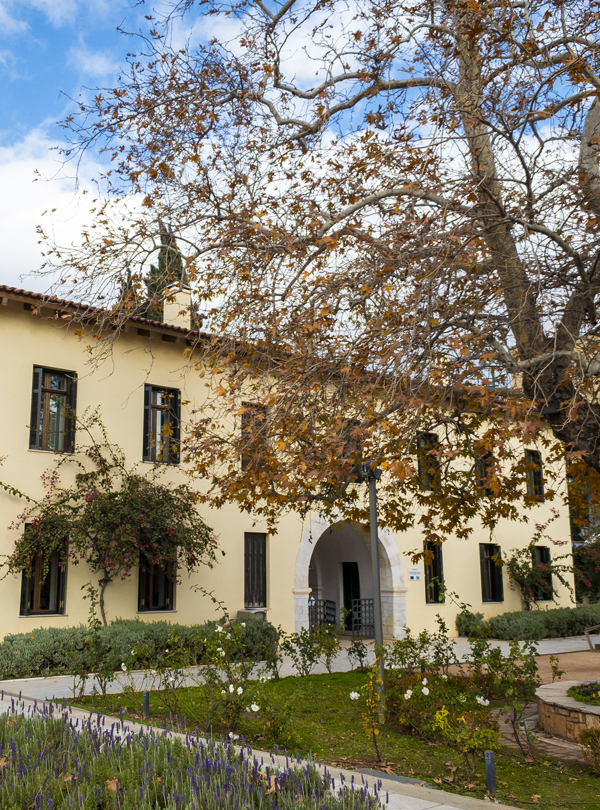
(50, 761)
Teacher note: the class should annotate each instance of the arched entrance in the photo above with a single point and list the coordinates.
(334, 564)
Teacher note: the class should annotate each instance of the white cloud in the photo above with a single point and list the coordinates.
(98, 64)
(24, 201)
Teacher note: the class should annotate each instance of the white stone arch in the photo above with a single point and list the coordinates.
(393, 589)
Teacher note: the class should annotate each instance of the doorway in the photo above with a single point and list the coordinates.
(351, 588)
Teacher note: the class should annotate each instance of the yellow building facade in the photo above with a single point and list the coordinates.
(307, 568)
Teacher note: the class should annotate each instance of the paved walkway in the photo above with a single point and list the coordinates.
(401, 796)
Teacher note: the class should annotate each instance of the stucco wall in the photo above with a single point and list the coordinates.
(117, 386)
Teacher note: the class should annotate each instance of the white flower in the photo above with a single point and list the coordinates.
(239, 690)
(231, 687)
(222, 652)
(354, 695)
(233, 736)
(482, 701)
(424, 681)
(218, 629)
(255, 708)
(223, 692)
(167, 649)
(408, 694)
(425, 690)
(228, 635)
(462, 698)
(123, 667)
(243, 624)
(444, 677)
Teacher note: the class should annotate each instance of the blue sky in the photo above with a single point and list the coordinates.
(49, 50)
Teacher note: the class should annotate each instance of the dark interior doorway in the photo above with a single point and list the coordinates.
(351, 583)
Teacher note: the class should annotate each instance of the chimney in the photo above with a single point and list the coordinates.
(177, 305)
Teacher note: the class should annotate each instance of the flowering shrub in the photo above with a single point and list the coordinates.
(586, 693)
(471, 733)
(110, 517)
(52, 763)
(412, 701)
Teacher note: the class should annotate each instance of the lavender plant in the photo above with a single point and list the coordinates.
(49, 760)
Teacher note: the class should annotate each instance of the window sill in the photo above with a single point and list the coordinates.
(493, 602)
(51, 452)
(256, 609)
(144, 612)
(41, 615)
(154, 463)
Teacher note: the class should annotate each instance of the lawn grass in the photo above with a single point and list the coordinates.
(328, 725)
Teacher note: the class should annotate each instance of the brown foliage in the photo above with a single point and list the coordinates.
(392, 231)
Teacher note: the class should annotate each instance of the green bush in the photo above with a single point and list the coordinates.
(538, 624)
(58, 651)
(590, 745)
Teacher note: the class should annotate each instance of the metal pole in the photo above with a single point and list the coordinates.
(373, 476)
(490, 772)
(146, 710)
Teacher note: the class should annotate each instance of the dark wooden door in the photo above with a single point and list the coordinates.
(351, 583)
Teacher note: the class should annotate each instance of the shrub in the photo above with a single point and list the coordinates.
(61, 651)
(538, 624)
(470, 624)
(590, 744)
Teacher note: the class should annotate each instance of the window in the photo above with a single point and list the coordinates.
(53, 401)
(535, 474)
(492, 589)
(429, 465)
(541, 558)
(254, 427)
(162, 418)
(43, 592)
(255, 570)
(484, 469)
(156, 587)
(434, 574)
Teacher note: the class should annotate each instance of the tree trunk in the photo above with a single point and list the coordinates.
(103, 583)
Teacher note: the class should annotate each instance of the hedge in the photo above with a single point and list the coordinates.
(54, 651)
(538, 624)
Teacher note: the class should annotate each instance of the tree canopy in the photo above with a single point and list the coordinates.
(390, 215)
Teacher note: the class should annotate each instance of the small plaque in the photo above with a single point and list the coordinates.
(414, 573)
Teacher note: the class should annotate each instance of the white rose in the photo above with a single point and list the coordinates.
(408, 694)
(425, 690)
(231, 687)
(424, 681)
(255, 708)
(239, 690)
(354, 695)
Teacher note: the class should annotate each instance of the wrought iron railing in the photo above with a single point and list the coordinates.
(363, 618)
(321, 611)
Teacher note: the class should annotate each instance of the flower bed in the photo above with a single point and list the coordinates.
(49, 762)
(586, 693)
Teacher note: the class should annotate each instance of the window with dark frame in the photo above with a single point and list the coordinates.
(535, 474)
(484, 465)
(156, 588)
(254, 424)
(255, 570)
(434, 574)
(53, 405)
(541, 557)
(43, 591)
(162, 424)
(428, 463)
(492, 588)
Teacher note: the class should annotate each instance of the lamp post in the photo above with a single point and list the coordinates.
(372, 476)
